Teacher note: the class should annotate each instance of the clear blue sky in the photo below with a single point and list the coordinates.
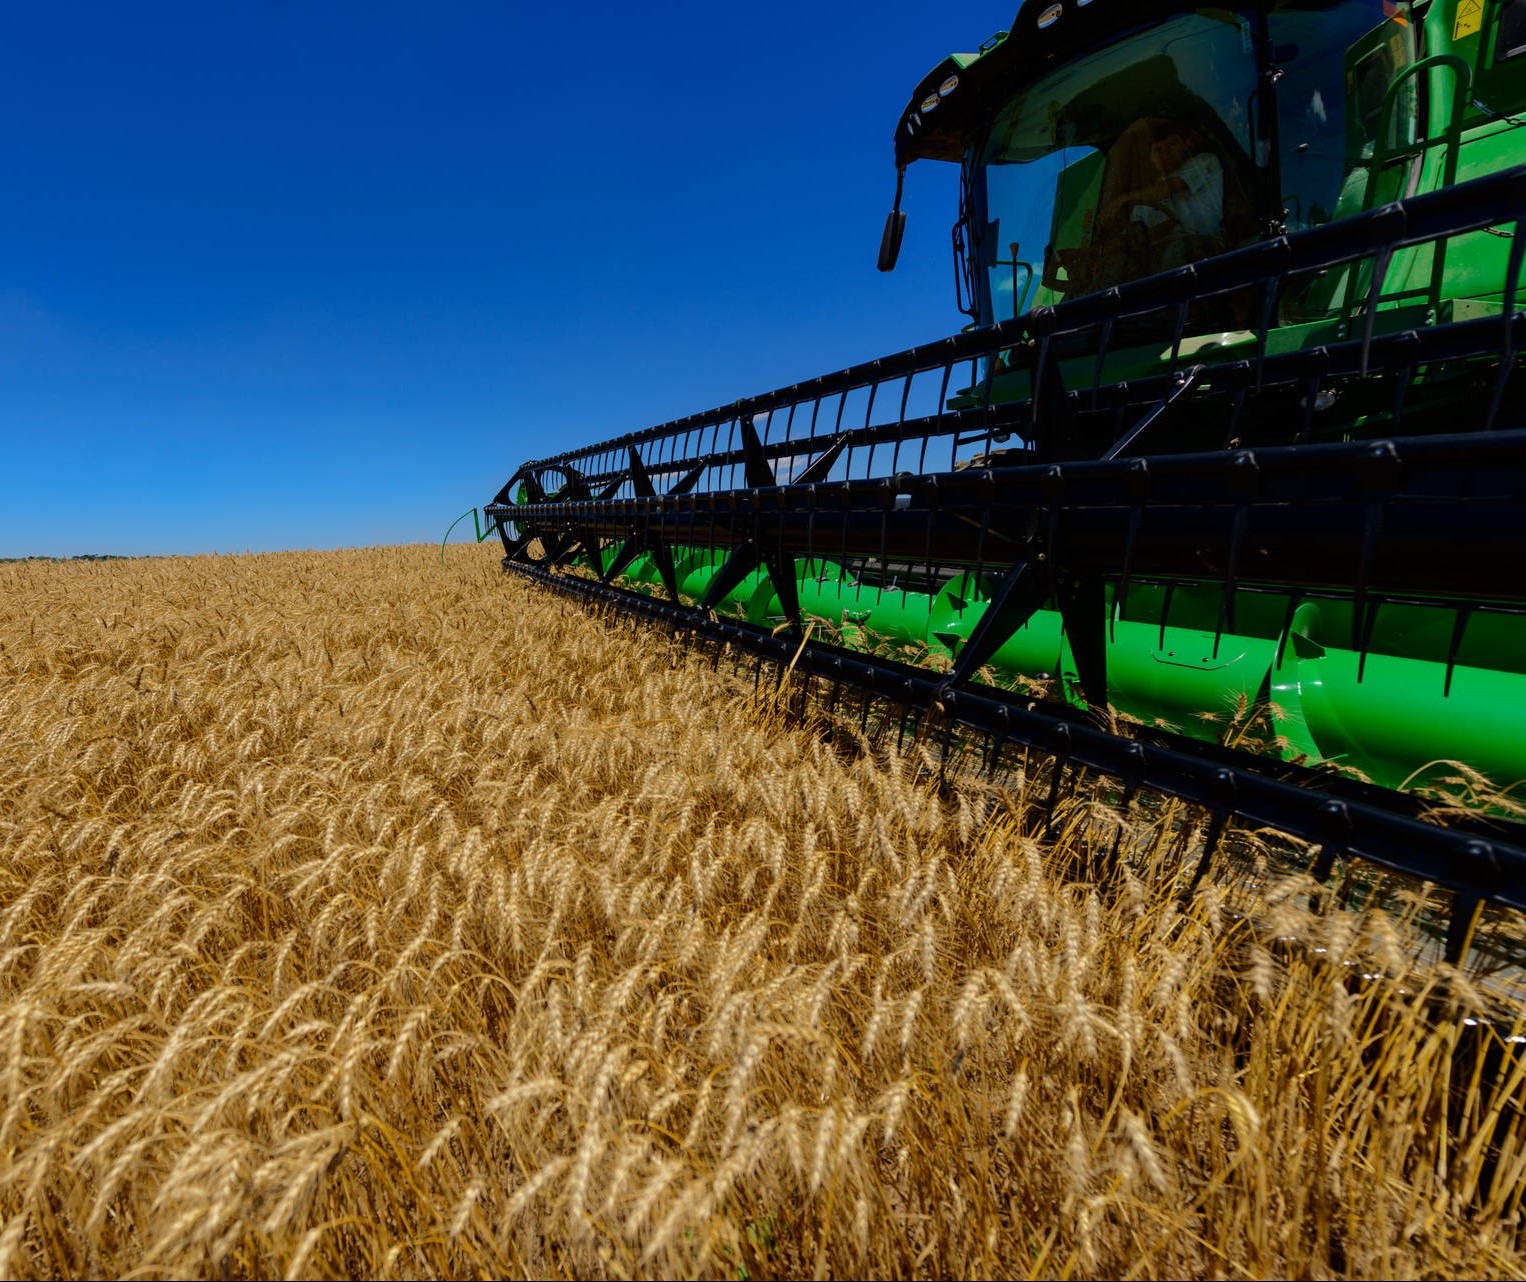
(288, 274)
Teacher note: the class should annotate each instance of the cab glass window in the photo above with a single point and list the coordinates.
(1136, 159)
(1338, 63)
(1510, 39)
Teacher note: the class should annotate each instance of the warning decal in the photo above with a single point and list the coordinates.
(1470, 16)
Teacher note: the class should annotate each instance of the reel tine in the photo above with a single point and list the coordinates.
(1020, 594)
(1324, 865)
(1218, 824)
(1462, 922)
(1459, 626)
(1056, 784)
(1226, 618)
(663, 556)
(786, 587)
(628, 552)
(689, 480)
(1083, 610)
(821, 467)
(742, 562)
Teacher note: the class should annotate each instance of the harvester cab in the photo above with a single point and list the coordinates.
(1234, 438)
(1101, 143)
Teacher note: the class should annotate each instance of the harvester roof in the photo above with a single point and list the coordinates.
(955, 99)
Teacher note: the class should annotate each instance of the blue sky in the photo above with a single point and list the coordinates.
(289, 275)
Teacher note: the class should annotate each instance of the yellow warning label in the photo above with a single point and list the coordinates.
(1470, 17)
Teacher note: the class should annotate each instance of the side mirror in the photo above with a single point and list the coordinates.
(890, 240)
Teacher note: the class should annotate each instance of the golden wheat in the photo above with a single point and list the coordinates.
(361, 916)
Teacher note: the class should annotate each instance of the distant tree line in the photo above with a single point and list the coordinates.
(86, 556)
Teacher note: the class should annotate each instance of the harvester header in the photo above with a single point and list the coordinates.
(1237, 433)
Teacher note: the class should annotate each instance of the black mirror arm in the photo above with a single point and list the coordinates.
(895, 226)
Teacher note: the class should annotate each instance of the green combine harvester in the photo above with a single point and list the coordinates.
(1236, 424)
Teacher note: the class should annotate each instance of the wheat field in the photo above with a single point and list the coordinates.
(366, 916)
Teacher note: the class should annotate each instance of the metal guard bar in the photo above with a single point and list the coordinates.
(1379, 516)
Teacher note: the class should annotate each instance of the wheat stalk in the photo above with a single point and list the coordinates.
(363, 917)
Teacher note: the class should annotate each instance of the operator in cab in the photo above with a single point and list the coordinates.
(1181, 207)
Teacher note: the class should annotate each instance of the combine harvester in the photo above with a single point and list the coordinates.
(1237, 423)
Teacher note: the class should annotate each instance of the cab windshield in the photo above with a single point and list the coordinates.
(1171, 145)
(1133, 160)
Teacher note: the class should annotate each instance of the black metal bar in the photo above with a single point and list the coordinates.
(1300, 517)
(1158, 413)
